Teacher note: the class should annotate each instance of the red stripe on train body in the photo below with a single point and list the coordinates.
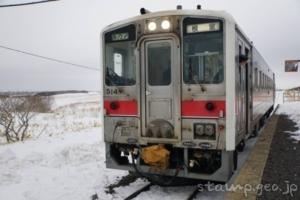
(197, 108)
(121, 108)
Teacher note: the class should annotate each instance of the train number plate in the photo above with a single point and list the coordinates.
(112, 91)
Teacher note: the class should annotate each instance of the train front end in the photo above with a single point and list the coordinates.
(165, 109)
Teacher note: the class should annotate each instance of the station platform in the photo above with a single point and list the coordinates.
(272, 170)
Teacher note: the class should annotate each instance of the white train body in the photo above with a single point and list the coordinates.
(189, 79)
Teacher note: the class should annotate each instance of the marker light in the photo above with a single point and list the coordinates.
(165, 24)
(152, 26)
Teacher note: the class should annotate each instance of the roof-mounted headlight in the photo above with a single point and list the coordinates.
(152, 26)
(165, 24)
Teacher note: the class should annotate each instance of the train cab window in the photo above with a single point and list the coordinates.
(120, 69)
(203, 51)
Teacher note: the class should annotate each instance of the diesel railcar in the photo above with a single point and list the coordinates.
(183, 91)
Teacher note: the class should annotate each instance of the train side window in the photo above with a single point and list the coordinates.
(261, 81)
(240, 70)
(260, 84)
(256, 78)
(264, 81)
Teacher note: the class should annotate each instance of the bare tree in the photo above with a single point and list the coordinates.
(7, 117)
(16, 113)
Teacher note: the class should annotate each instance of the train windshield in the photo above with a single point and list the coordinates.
(203, 52)
(120, 67)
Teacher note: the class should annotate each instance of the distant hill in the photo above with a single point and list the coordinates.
(41, 93)
(51, 93)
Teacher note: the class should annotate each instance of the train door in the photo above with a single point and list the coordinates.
(249, 90)
(242, 94)
(160, 91)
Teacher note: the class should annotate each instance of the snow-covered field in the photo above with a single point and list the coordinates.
(65, 159)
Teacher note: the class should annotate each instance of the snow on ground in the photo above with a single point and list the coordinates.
(63, 159)
(69, 166)
(292, 109)
(278, 98)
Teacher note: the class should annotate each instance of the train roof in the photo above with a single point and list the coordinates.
(207, 13)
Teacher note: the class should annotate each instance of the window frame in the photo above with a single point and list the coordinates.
(206, 19)
(147, 53)
(107, 39)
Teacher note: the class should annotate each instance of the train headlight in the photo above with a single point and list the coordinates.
(199, 130)
(204, 131)
(165, 24)
(210, 130)
(152, 26)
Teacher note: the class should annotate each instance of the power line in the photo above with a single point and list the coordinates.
(51, 59)
(25, 4)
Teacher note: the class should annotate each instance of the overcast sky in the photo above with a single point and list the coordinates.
(70, 30)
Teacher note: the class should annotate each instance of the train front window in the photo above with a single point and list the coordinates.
(159, 64)
(203, 51)
(120, 67)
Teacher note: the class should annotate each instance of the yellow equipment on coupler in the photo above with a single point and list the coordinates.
(156, 156)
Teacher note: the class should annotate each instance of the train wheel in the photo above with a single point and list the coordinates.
(241, 146)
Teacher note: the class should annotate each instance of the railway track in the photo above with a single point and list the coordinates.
(139, 191)
(147, 187)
